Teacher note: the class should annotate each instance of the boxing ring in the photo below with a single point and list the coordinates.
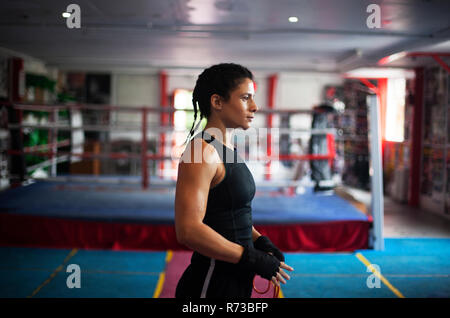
(137, 212)
(83, 215)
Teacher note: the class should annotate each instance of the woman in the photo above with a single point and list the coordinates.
(214, 194)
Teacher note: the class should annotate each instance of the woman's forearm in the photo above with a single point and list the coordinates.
(204, 240)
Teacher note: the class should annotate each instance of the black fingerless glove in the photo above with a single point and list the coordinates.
(263, 264)
(263, 243)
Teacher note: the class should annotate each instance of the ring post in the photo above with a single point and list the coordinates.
(376, 173)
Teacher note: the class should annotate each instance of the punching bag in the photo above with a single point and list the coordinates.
(318, 145)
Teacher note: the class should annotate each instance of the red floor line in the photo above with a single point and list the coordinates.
(176, 266)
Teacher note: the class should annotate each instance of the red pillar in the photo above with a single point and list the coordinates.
(16, 88)
(16, 80)
(144, 149)
(272, 82)
(382, 97)
(16, 93)
(164, 117)
(174, 135)
(382, 88)
(416, 142)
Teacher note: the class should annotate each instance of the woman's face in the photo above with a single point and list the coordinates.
(239, 110)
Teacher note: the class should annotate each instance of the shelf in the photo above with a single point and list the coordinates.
(436, 146)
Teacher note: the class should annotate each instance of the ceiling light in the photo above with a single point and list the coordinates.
(391, 58)
(293, 19)
(379, 72)
(66, 14)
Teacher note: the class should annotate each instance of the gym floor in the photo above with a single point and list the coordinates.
(407, 268)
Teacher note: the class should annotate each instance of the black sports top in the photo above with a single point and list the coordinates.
(228, 210)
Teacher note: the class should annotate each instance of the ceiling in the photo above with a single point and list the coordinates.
(330, 36)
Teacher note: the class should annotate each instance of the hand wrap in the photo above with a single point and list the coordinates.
(263, 243)
(262, 263)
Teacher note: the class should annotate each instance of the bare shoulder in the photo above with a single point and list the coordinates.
(198, 165)
(198, 151)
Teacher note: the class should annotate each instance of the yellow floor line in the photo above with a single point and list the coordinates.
(280, 294)
(159, 285)
(366, 262)
(169, 256)
(55, 272)
(162, 276)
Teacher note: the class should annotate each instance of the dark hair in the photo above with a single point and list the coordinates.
(218, 79)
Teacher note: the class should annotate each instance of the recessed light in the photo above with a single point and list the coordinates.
(293, 19)
(66, 14)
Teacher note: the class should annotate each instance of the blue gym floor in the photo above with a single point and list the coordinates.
(409, 268)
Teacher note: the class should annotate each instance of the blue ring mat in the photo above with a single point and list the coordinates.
(129, 203)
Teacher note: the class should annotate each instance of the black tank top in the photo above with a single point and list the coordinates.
(228, 210)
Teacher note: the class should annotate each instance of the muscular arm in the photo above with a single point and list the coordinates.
(191, 196)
